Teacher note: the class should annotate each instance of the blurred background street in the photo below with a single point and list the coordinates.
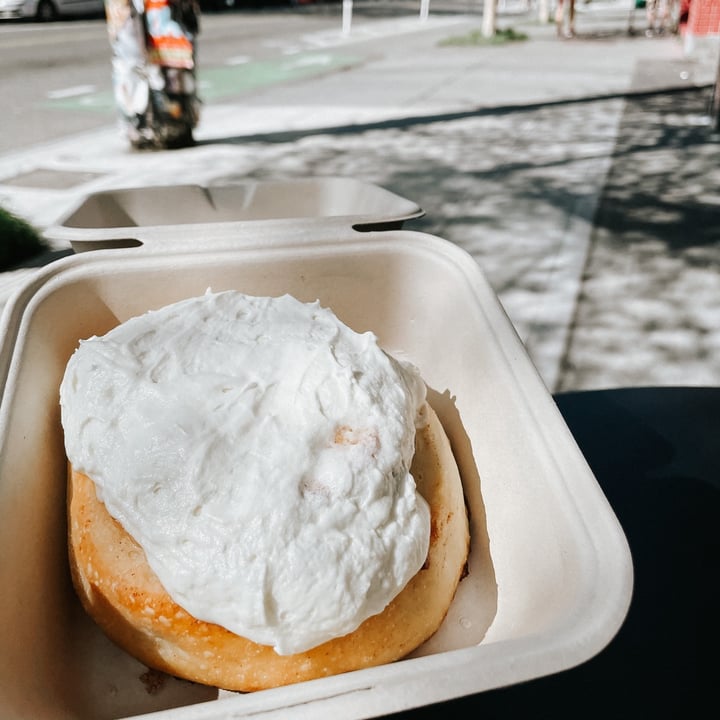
(581, 174)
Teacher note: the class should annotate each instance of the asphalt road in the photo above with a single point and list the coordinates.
(56, 77)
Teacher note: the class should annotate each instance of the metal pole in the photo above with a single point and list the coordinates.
(716, 99)
(544, 11)
(347, 8)
(488, 18)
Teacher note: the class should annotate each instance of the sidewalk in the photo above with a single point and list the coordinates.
(575, 173)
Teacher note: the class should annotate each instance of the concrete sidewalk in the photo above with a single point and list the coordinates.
(560, 166)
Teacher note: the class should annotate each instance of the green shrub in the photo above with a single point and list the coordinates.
(19, 241)
(475, 37)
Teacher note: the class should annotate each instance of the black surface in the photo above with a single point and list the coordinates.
(656, 454)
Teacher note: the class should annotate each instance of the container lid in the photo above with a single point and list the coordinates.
(119, 217)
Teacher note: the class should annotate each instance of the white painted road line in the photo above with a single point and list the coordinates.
(324, 39)
(238, 60)
(74, 91)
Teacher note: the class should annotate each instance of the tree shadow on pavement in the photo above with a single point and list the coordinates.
(661, 183)
(526, 190)
(649, 311)
(411, 121)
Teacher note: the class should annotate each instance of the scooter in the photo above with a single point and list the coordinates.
(154, 70)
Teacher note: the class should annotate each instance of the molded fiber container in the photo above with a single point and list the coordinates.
(549, 576)
(127, 216)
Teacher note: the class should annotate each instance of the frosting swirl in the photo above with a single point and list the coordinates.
(258, 450)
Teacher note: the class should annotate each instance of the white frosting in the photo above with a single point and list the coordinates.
(258, 450)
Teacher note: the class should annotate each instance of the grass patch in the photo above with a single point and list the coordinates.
(19, 241)
(474, 38)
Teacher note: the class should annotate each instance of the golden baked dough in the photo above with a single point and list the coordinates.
(124, 596)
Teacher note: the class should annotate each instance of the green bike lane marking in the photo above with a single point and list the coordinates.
(218, 83)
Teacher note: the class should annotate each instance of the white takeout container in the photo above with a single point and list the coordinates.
(549, 575)
(126, 216)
